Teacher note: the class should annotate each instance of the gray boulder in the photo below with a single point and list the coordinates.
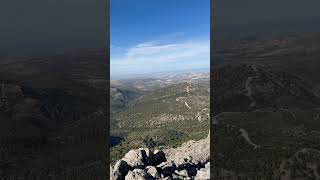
(120, 170)
(203, 173)
(182, 173)
(158, 158)
(190, 161)
(153, 172)
(137, 158)
(168, 168)
(138, 174)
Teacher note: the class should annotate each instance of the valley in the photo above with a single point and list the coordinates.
(159, 112)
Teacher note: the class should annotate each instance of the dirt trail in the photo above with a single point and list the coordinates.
(187, 105)
(248, 86)
(188, 91)
(245, 135)
(290, 112)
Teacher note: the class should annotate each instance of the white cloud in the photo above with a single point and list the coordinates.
(157, 52)
(154, 56)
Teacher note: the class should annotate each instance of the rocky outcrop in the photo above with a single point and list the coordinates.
(203, 173)
(190, 161)
(138, 174)
(191, 151)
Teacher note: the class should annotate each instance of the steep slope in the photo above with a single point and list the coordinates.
(121, 97)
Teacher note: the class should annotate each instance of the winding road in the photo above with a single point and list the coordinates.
(248, 86)
(245, 135)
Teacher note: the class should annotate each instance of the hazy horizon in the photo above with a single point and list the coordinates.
(160, 73)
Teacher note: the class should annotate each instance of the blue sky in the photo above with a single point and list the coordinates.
(158, 35)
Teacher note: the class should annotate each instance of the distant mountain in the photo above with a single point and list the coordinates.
(159, 74)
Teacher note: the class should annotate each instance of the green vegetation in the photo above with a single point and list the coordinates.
(171, 135)
(160, 118)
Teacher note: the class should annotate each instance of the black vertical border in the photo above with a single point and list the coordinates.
(212, 163)
(107, 132)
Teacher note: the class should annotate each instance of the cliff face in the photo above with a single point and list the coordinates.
(189, 161)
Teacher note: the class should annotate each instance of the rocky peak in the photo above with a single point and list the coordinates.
(189, 161)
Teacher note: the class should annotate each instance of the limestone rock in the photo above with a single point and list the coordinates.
(182, 173)
(203, 173)
(192, 150)
(138, 174)
(158, 157)
(153, 172)
(190, 161)
(119, 170)
(136, 158)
